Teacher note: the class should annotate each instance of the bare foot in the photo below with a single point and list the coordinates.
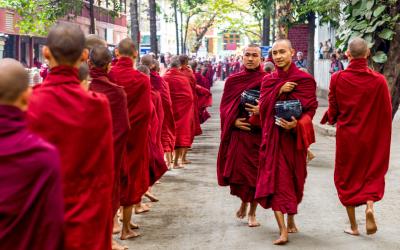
(129, 234)
(283, 239)
(158, 182)
(186, 162)
(116, 246)
(142, 208)
(292, 228)
(252, 222)
(134, 226)
(241, 213)
(353, 232)
(310, 156)
(177, 166)
(151, 197)
(116, 228)
(370, 222)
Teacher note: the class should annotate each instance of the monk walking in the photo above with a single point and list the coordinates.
(135, 180)
(182, 105)
(360, 105)
(283, 172)
(79, 124)
(238, 161)
(31, 204)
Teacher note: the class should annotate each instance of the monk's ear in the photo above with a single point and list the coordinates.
(23, 100)
(293, 52)
(108, 67)
(116, 52)
(135, 54)
(46, 53)
(368, 53)
(84, 55)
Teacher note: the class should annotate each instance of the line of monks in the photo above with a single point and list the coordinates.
(73, 153)
(263, 158)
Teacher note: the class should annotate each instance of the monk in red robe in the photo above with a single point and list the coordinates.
(360, 105)
(283, 172)
(188, 72)
(238, 163)
(135, 178)
(168, 129)
(31, 204)
(203, 93)
(100, 61)
(81, 129)
(182, 105)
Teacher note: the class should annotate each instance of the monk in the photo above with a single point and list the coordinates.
(81, 129)
(238, 163)
(31, 204)
(168, 125)
(188, 73)
(204, 98)
(360, 105)
(283, 153)
(100, 62)
(136, 174)
(182, 105)
(93, 40)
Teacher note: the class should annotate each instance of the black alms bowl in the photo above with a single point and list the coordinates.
(250, 96)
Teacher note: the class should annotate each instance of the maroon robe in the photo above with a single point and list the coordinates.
(31, 203)
(168, 124)
(204, 101)
(79, 124)
(119, 112)
(137, 88)
(182, 105)
(238, 161)
(283, 153)
(360, 105)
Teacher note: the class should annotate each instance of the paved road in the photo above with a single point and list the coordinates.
(195, 213)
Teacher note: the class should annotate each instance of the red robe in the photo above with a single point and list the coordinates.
(117, 98)
(157, 165)
(182, 104)
(168, 124)
(360, 105)
(79, 124)
(187, 71)
(238, 163)
(204, 101)
(135, 177)
(31, 203)
(283, 153)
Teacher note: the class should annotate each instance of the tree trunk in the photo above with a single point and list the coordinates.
(266, 28)
(391, 70)
(153, 27)
(135, 32)
(92, 28)
(176, 25)
(311, 48)
(283, 16)
(183, 49)
(274, 22)
(202, 33)
(186, 30)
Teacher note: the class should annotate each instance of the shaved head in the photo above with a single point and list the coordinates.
(144, 69)
(358, 48)
(93, 40)
(252, 45)
(83, 72)
(287, 42)
(184, 59)
(126, 47)
(156, 64)
(147, 60)
(14, 80)
(66, 43)
(100, 56)
(175, 62)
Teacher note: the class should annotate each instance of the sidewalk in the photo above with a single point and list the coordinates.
(326, 130)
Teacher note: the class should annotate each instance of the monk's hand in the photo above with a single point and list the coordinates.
(255, 110)
(242, 124)
(286, 124)
(288, 87)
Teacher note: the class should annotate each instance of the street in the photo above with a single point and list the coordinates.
(195, 213)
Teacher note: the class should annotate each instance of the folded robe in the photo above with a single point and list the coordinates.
(168, 124)
(31, 203)
(282, 172)
(79, 124)
(182, 105)
(119, 112)
(187, 71)
(360, 105)
(137, 88)
(238, 163)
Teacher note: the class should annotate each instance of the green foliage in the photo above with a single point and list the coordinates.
(371, 20)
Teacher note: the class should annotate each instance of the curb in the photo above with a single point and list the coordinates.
(326, 130)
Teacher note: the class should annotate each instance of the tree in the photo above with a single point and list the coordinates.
(190, 8)
(135, 31)
(153, 27)
(262, 10)
(175, 5)
(378, 22)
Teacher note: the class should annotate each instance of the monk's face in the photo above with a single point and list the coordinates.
(282, 55)
(251, 57)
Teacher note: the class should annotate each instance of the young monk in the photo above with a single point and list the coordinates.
(100, 62)
(204, 98)
(182, 105)
(168, 129)
(238, 163)
(31, 204)
(137, 88)
(283, 172)
(360, 105)
(81, 129)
